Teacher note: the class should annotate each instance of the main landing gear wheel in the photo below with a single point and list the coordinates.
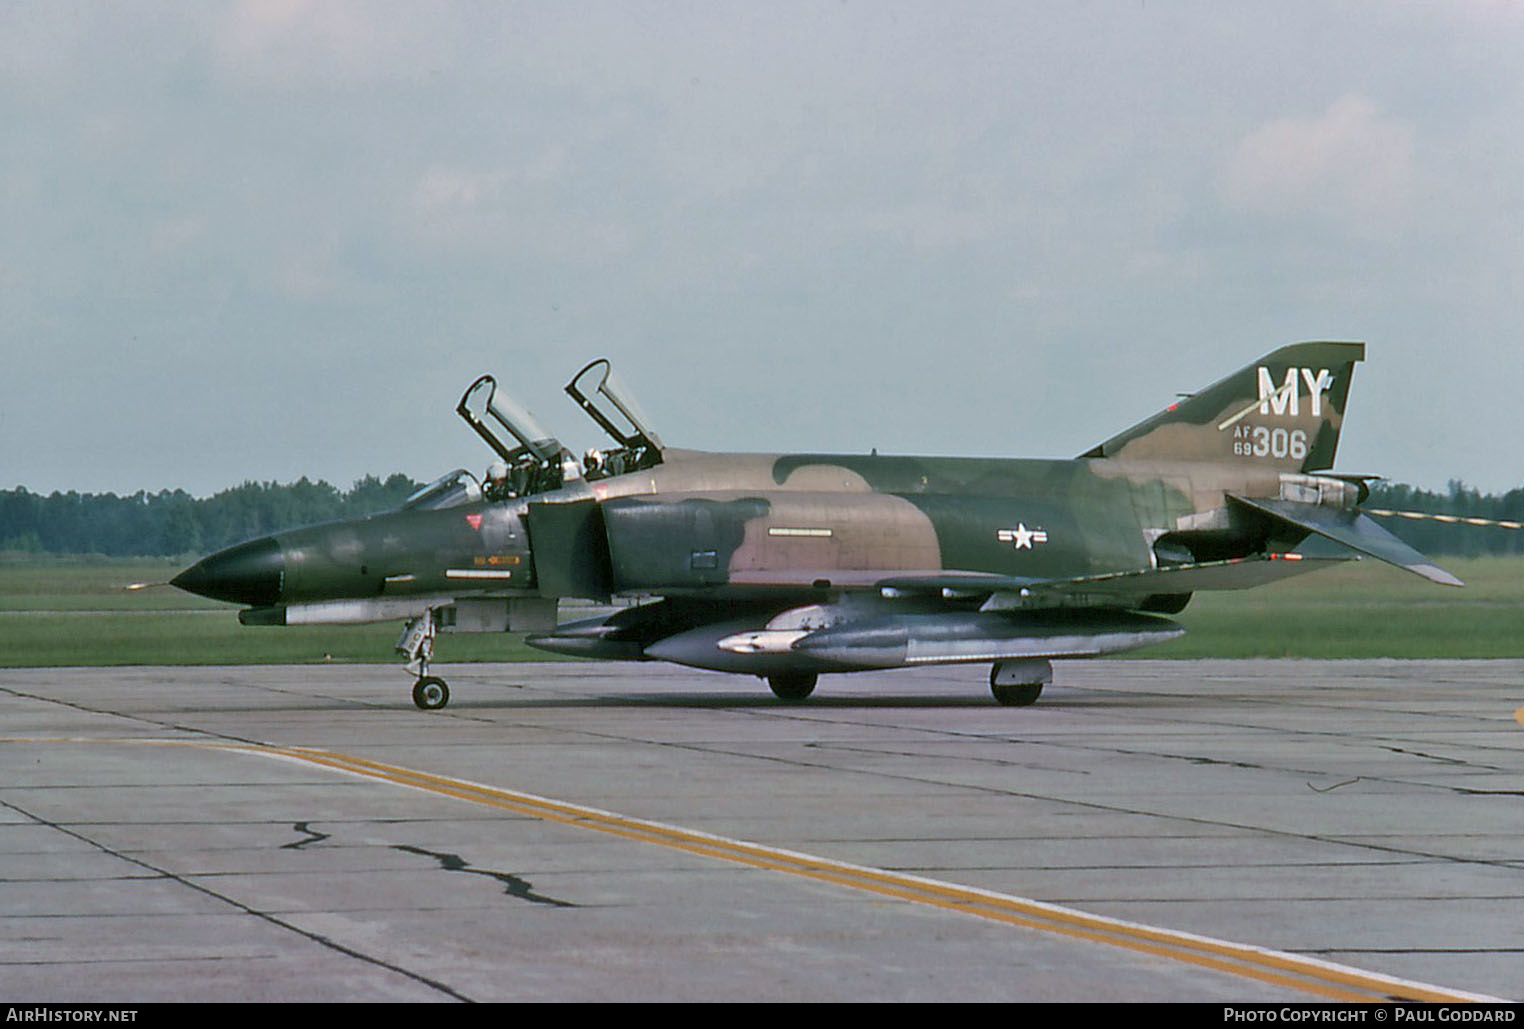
(1019, 682)
(792, 686)
(1019, 694)
(431, 693)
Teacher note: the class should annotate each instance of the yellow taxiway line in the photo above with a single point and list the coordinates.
(1294, 972)
(1321, 978)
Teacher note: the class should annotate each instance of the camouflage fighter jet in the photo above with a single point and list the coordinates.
(789, 566)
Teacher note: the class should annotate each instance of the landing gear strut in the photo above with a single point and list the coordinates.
(430, 692)
(792, 686)
(1019, 683)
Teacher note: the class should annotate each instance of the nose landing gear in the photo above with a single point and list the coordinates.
(430, 692)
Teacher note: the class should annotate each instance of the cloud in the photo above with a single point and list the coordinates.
(174, 235)
(444, 189)
(294, 43)
(1351, 164)
(505, 214)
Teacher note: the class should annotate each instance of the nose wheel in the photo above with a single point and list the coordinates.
(430, 692)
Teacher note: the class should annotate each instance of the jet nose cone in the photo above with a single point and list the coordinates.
(251, 573)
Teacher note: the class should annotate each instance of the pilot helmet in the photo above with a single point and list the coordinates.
(497, 471)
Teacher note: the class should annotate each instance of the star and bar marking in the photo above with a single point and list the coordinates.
(1022, 537)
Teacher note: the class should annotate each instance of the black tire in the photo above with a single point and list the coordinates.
(431, 693)
(1020, 694)
(792, 686)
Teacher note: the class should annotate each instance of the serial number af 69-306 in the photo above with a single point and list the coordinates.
(1264, 441)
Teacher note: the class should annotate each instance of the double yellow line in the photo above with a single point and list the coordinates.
(1307, 975)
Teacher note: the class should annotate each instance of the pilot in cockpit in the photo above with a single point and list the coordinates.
(497, 487)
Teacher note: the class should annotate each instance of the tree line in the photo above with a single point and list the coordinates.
(1457, 501)
(172, 523)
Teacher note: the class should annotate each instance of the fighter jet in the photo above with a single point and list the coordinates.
(790, 566)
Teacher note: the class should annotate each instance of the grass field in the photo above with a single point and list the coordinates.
(61, 611)
(1362, 609)
(68, 611)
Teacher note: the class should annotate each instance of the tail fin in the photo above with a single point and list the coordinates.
(1282, 412)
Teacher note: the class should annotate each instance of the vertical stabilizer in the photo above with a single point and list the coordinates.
(1282, 412)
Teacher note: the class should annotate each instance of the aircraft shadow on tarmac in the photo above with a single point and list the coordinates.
(489, 697)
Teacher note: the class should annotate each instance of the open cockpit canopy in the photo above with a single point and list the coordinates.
(534, 458)
(606, 400)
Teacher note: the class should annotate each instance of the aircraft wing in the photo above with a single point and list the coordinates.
(1231, 574)
(908, 580)
(1237, 573)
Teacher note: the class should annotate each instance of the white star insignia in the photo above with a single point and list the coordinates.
(1021, 536)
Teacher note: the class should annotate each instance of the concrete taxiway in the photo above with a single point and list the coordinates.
(1150, 830)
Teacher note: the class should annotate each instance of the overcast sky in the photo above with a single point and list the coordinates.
(274, 238)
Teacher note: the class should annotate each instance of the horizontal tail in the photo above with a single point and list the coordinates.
(1354, 530)
(1282, 412)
